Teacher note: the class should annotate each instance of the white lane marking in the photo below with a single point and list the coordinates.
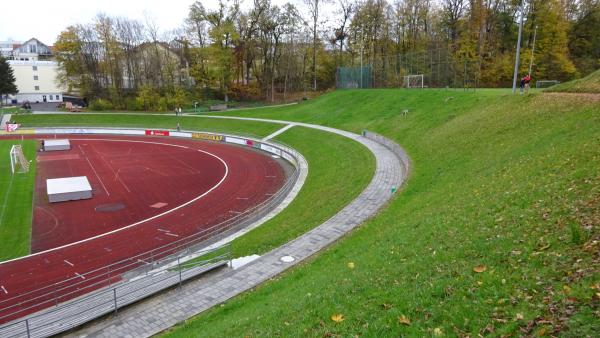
(94, 170)
(243, 198)
(78, 275)
(170, 234)
(66, 261)
(3, 289)
(142, 221)
(163, 230)
(270, 176)
(235, 212)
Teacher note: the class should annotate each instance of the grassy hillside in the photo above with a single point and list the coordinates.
(147, 121)
(496, 233)
(588, 84)
(16, 198)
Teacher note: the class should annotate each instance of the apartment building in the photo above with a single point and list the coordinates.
(35, 71)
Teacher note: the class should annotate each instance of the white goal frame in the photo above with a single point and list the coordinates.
(541, 83)
(18, 160)
(414, 81)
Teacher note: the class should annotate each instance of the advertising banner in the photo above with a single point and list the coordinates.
(235, 140)
(208, 137)
(152, 132)
(270, 149)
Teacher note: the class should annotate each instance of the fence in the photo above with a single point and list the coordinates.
(440, 69)
(71, 302)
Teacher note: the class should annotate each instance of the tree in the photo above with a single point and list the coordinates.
(313, 7)
(7, 79)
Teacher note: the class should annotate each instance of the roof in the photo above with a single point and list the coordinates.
(17, 46)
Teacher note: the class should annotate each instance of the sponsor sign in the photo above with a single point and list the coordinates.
(11, 127)
(235, 140)
(270, 149)
(208, 137)
(152, 132)
(250, 143)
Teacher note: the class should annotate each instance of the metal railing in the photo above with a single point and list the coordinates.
(87, 286)
(110, 299)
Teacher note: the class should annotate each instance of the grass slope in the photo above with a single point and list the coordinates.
(259, 129)
(328, 155)
(496, 233)
(588, 84)
(16, 196)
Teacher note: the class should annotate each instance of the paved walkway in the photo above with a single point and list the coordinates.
(167, 309)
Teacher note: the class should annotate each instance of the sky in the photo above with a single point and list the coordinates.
(23, 19)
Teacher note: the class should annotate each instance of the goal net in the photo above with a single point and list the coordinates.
(18, 162)
(413, 81)
(546, 83)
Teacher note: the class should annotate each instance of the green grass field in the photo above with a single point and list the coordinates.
(328, 156)
(16, 196)
(249, 128)
(496, 233)
(587, 84)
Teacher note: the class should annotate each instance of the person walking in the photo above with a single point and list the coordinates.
(525, 80)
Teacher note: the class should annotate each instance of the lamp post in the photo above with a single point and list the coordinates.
(518, 54)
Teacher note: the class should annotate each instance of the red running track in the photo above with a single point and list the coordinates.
(147, 192)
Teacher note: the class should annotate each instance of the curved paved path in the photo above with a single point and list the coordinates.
(167, 309)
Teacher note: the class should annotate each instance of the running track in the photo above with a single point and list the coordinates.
(155, 190)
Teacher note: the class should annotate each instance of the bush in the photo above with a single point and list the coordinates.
(243, 92)
(133, 103)
(101, 104)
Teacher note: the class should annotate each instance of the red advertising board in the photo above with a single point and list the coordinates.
(151, 132)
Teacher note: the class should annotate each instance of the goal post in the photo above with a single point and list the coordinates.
(413, 81)
(18, 162)
(546, 83)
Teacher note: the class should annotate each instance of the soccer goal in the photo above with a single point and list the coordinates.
(413, 81)
(18, 162)
(546, 83)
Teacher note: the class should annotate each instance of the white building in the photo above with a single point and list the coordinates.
(36, 81)
(30, 50)
(35, 72)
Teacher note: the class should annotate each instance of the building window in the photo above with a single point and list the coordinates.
(35, 77)
(34, 68)
(37, 87)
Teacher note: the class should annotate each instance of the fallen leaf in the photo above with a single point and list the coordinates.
(386, 306)
(519, 316)
(567, 289)
(480, 268)
(338, 317)
(351, 265)
(403, 320)
(438, 332)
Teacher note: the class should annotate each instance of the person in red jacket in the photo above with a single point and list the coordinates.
(525, 80)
